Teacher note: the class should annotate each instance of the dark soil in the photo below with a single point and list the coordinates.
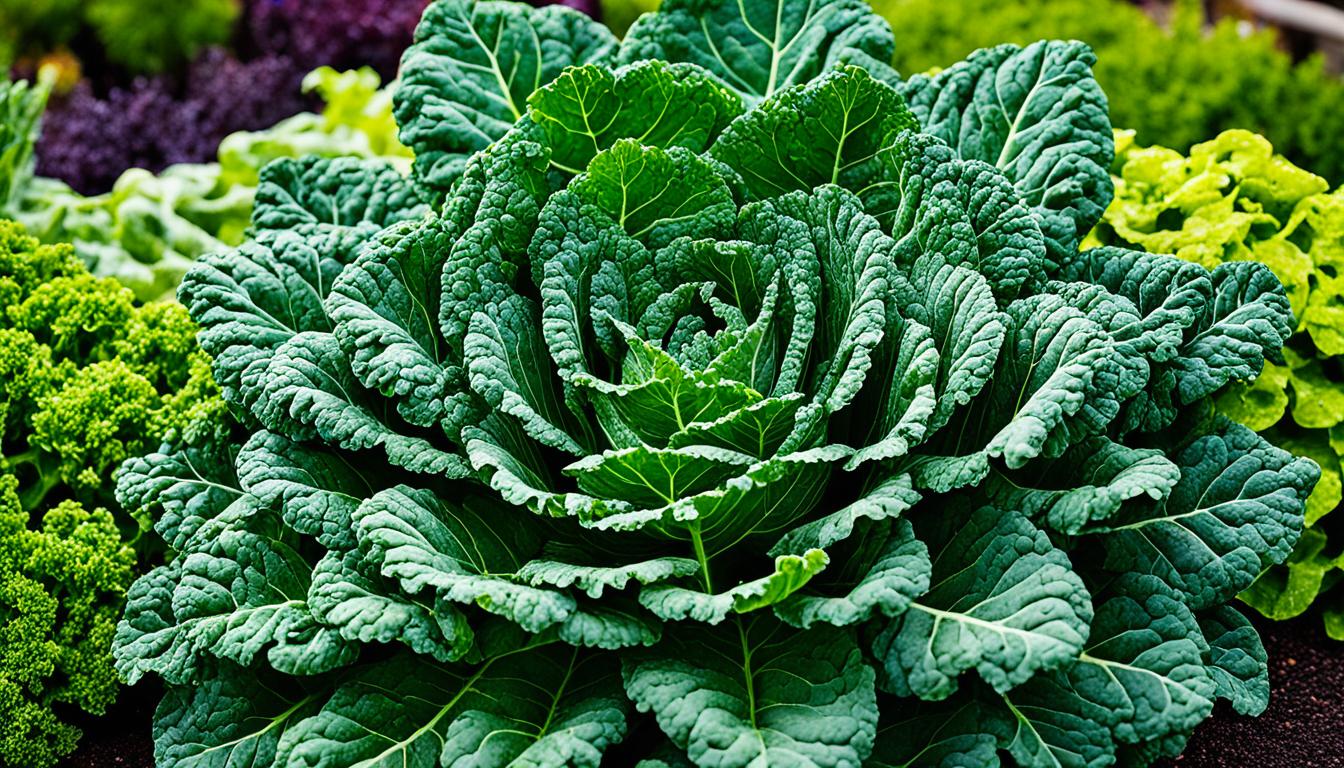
(121, 738)
(1303, 727)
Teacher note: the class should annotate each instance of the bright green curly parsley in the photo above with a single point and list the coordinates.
(713, 398)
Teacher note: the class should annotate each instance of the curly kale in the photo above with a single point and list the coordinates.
(62, 584)
(88, 377)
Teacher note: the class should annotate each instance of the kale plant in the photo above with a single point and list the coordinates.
(1234, 199)
(714, 398)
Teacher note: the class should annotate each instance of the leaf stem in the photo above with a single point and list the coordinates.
(699, 544)
(747, 675)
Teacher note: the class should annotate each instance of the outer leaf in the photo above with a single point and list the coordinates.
(337, 203)
(385, 307)
(1237, 661)
(594, 579)
(1236, 510)
(316, 492)
(1248, 320)
(348, 595)
(1087, 484)
(942, 735)
(310, 392)
(1170, 294)
(888, 569)
(1043, 380)
(467, 78)
(1141, 677)
(1037, 114)
(586, 109)
(180, 491)
(508, 367)
(755, 694)
(1003, 601)
(232, 718)
(550, 707)
(250, 301)
(958, 308)
(241, 597)
(762, 47)
(495, 209)
(464, 553)
(964, 211)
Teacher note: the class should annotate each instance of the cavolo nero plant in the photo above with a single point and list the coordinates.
(718, 398)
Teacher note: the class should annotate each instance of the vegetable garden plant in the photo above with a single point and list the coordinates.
(713, 397)
(1234, 199)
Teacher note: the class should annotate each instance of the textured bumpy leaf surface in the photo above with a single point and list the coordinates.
(566, 710)
(182, 489)
(752, 693)
(762, 47)
(1237, 660)
(1140, 678)
(717, 395)
(1232, 514)
(1036, 114)
(243, 596)
(1002, 601)
(946, 734)
(586, 109)
(467, 78)
(232, 718)
(829, 131)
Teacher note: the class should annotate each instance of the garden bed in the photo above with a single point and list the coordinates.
(1301, 727)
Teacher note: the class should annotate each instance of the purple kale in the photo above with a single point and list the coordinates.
(343, 34)
(89, 139)
(347, 33)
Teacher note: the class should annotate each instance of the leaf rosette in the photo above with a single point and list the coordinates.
(744, 400)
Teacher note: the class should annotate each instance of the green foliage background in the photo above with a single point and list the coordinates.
(1176, 87)
(140, 35)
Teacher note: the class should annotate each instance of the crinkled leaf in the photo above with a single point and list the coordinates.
(753, 693)
(1003, 601)
(761, 47)
(587, 108)
(1236, 510)
(467, 78)
(1037, 114)
(231, 718)
(829, 130)
(1087, 484)
(657, 195)
(181, 490)
(1237, 661)
(547, 706)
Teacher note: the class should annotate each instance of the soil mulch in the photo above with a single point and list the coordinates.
(1303, 727)
(1304, 724)
(121, 738)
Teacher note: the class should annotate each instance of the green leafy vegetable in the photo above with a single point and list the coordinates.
(1233, 201)
(730, 391)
